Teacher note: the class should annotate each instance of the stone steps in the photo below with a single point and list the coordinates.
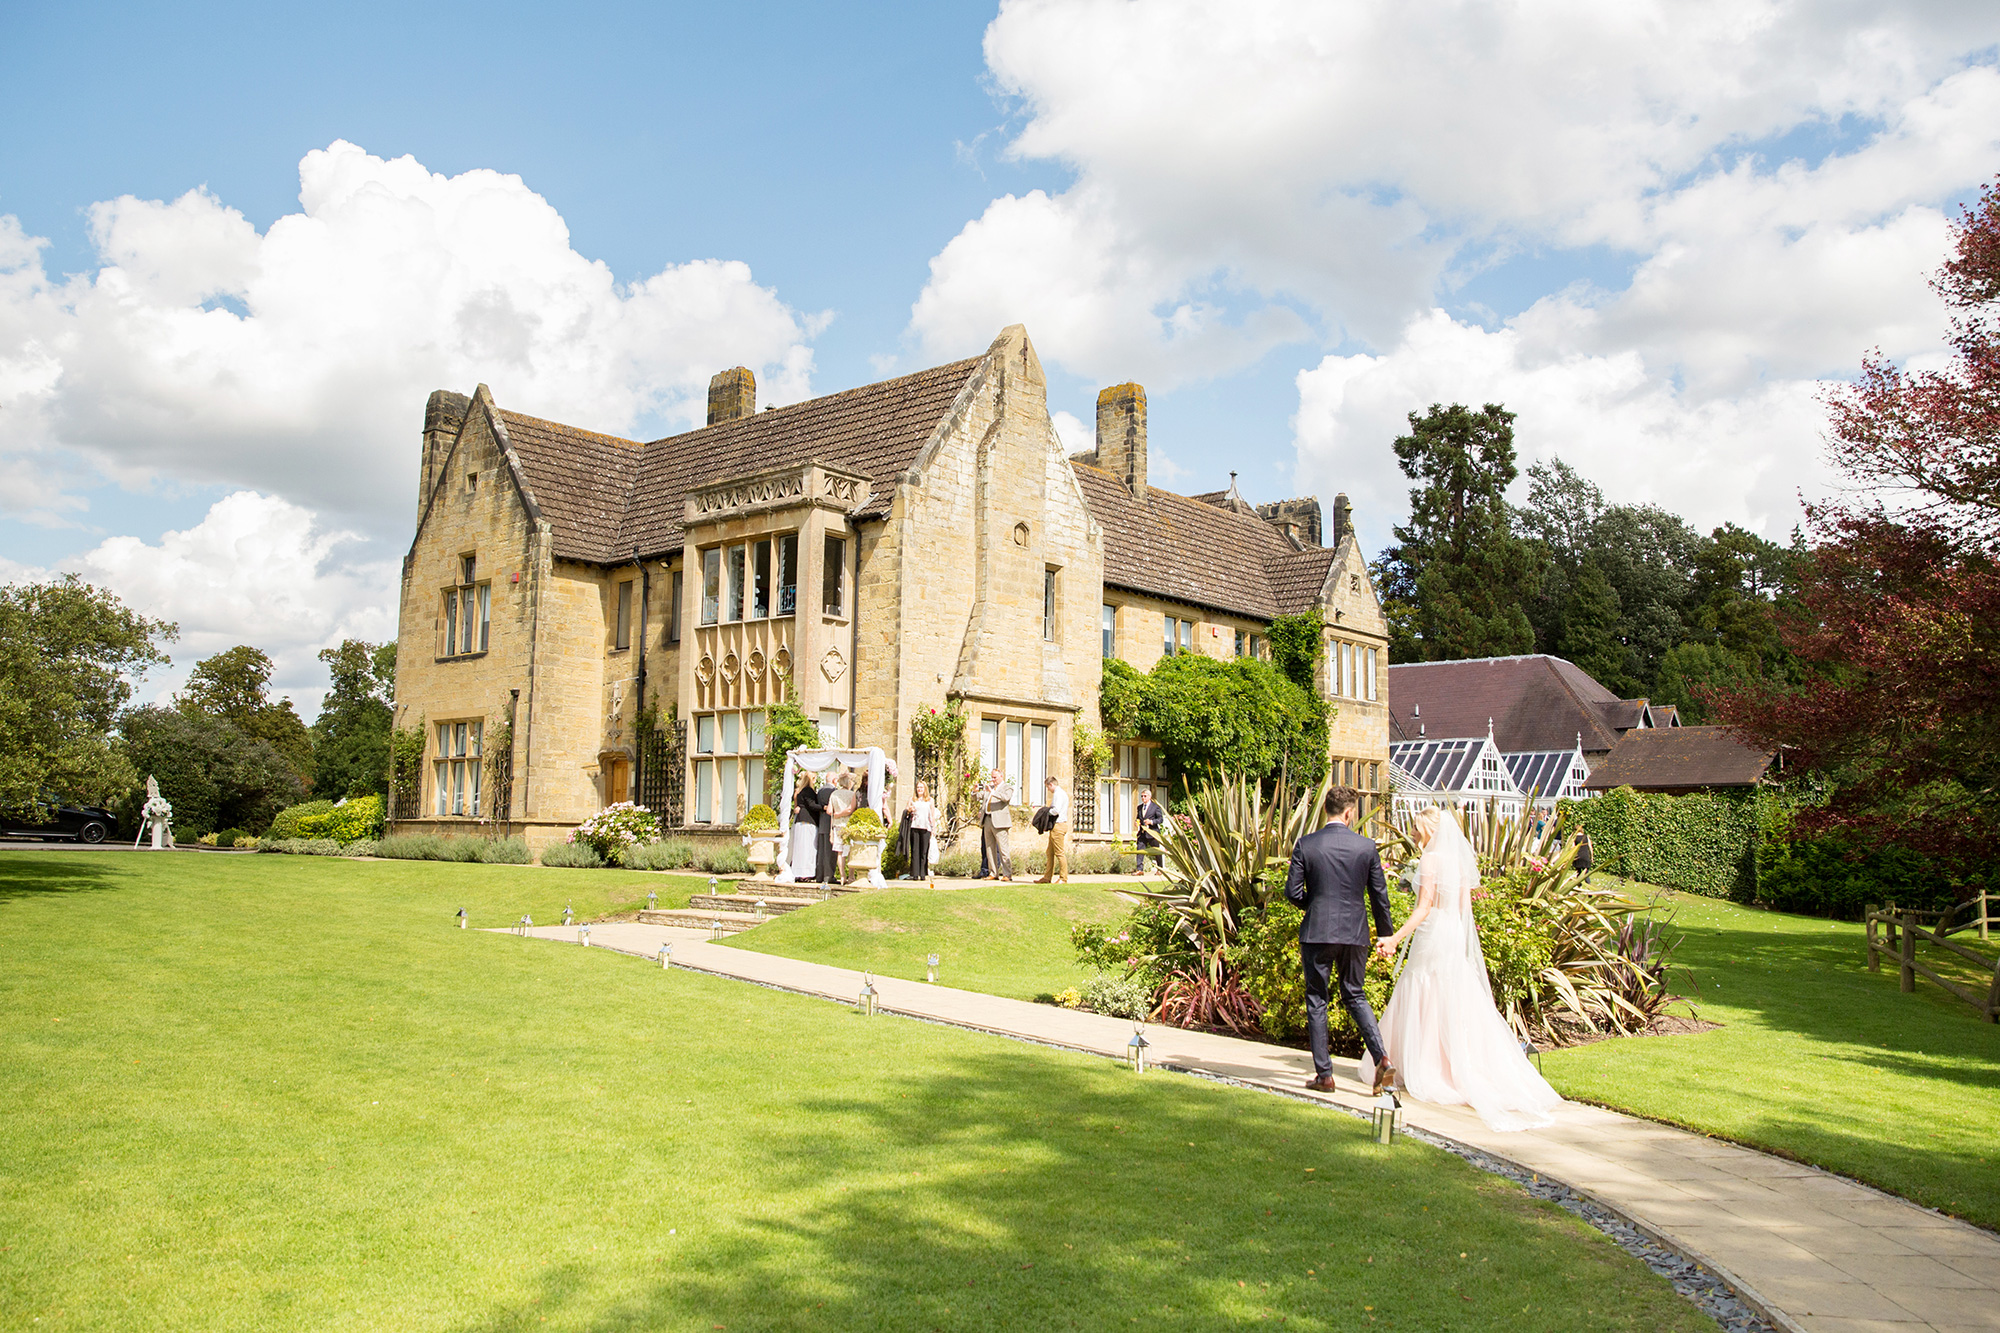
(747, 902)
(731, 923)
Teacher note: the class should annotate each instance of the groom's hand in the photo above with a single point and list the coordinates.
(1386, 947)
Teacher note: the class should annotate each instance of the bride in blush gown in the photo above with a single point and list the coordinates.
(1446, 1040)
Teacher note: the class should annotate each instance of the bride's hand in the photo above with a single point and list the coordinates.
(1386, 947)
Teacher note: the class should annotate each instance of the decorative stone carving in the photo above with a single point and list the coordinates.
(1020, 534)
(730, 666)
(782, 662)
(704, 670)
(833, 664)
(843, 489)
(740, 495)
(754, 668)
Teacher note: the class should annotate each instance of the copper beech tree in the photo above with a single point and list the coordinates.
(1897, 621)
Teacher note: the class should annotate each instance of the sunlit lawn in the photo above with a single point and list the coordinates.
(1003, 939)
(1817, 1057)
(285, 1093)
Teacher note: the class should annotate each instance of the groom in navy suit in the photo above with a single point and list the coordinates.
(1332, 872)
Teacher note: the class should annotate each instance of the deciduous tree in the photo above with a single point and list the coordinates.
(67, 651)
(350, 738)
(235, 686)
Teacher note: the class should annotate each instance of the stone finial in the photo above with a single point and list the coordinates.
(732, 394)
(1121, 435)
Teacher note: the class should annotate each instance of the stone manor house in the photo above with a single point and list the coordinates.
(587, 619)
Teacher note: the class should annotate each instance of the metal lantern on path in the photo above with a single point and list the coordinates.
(715, 930)
(930, 973)
(666, 955)
(1135, 1049)
(869, 1001)
(1388, 1115)
(583, 936)
(461, 918)
(652, 899)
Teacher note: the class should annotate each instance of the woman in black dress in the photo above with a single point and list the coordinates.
(809, 813)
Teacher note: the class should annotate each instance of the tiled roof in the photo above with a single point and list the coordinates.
(1670, 758)
(1190, 550)
(580, 479)
(610, 499)
(1534, 703)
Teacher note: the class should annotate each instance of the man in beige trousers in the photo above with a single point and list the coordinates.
(995, 826)
(1058, 858)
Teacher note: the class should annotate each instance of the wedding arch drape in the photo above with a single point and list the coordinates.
(820, 761)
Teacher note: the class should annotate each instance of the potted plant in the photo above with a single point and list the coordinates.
(759, 828)
(864, 836)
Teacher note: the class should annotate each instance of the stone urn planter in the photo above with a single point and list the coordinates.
(761, 848)
(865, 855)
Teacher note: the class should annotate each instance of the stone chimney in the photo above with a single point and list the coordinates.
(1121, 435)
(1297, 519)
(1343, 518)
(732, 394)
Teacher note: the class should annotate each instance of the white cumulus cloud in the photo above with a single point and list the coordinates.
(297, 361)
(292, 366)
(1769, 180)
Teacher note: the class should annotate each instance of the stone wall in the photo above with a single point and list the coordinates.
(474, 510)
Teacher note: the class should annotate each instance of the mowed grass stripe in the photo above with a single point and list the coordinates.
(286, 1092)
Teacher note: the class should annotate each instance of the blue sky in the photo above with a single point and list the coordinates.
(1652, 230)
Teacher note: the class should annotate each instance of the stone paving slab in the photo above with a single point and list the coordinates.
(1814, 1252)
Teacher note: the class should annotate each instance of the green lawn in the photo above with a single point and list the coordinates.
(1818, 1058)
(1003, 939)
(285, 1093)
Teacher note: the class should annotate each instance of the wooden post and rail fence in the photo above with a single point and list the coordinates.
(1895, 932)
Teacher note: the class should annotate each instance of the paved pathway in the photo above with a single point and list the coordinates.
(1809, 1250)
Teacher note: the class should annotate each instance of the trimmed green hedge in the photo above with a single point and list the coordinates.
(1703, 842)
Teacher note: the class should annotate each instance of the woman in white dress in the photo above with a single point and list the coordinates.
(1446, 1040)
(802, 859)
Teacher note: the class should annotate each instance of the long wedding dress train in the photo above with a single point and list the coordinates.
(1444, 1035)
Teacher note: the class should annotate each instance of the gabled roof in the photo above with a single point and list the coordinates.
(1190, 549)
(610, 500)
(1451, 765)
(1545, 773)
(1533, 703)
(1673, 758)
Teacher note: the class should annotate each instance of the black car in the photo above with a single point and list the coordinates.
(51, 818)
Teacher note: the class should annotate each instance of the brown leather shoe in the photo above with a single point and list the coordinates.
(1385, 1076)
(1322, 1083)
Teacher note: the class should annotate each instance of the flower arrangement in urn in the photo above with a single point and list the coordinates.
(759, 827)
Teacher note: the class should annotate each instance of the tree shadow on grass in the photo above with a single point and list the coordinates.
(1022, 1190)
(1821, 989)
(30, 876)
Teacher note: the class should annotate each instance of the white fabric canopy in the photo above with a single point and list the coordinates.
(822, 761)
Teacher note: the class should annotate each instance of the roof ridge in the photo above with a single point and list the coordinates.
(564, 425)
(777, 411)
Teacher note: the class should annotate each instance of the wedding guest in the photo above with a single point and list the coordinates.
(1585, 854)
(996, 825)
(1151, 817)
(1058, 856)
(922, 815)
(807, 806)
(842, 802)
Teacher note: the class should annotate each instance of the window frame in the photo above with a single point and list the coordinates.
(833, 577)
(1050, 601)
(621, 627)
(1107, 625)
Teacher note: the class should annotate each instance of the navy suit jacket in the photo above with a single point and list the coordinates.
(1333, 872)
